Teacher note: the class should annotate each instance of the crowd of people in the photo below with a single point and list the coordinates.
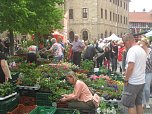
(134, 60)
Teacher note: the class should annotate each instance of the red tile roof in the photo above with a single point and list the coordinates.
(140, 17)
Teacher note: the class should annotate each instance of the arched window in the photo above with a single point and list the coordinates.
(71, 36)
(85, 35)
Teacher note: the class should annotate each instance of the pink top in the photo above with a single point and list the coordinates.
(82, 92)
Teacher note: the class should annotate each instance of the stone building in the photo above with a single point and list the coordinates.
(94, 19)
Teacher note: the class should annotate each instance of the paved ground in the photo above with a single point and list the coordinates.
(149, 111)
(146, 111)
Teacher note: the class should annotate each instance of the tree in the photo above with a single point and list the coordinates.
(27, 16)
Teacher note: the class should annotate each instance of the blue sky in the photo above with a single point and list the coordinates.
(139, 5)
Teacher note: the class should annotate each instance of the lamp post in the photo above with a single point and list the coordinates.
(117, 17)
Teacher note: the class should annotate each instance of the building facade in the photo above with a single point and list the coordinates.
(94, 19)
(140, 21)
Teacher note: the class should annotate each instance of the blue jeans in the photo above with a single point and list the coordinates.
(146, 91)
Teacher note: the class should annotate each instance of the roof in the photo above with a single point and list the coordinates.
(140, 17)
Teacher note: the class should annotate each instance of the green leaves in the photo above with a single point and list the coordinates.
(87, 65)
(30, 15)
(6, 89)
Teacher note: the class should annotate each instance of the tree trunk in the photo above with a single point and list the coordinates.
(11, 36)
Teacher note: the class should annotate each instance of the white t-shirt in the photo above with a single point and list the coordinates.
(32, 49)
(138, 56)
(57, 49)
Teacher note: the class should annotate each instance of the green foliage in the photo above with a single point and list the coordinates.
(6, 89)
(87, 65)
(15, 58)
(102, 105)
(30, 15)
(103, 70)
(150, 38)
(30, 75)
(99, 83)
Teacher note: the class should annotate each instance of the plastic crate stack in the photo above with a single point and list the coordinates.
(9, 104)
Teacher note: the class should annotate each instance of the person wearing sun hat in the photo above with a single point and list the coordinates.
(144, 43)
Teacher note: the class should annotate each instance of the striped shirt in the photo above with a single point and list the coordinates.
(149, 62)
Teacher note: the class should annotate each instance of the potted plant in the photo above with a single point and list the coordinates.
(29, 75)
(6, 89)
(87, 65)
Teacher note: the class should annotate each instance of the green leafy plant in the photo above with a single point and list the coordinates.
(6, 89)
(30, 75)
(87, 65)
(103, 70)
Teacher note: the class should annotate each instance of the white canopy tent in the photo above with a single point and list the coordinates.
(113, 37)
(148, 34)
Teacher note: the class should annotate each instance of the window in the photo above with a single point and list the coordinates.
(105, 14)
(110, 33)
(118, 18)
(120, 3)
(85, 13)
(106, 34)
(85, 35)
(110, 15)
(116, 2)
(113, 16)
(101, 13)
(124, 5)
(124, 20)
(71, 36)
(101, 35)
(70, 13)
(121, 19)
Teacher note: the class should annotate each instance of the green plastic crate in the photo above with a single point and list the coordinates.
(9, 104)
(43, 110)
(42, 99)
(66, 111)
(43, 102)
(42, 96)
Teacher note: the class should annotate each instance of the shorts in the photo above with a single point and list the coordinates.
(132, 95)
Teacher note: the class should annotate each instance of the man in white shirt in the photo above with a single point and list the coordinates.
(32, 52)
(134, 76)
